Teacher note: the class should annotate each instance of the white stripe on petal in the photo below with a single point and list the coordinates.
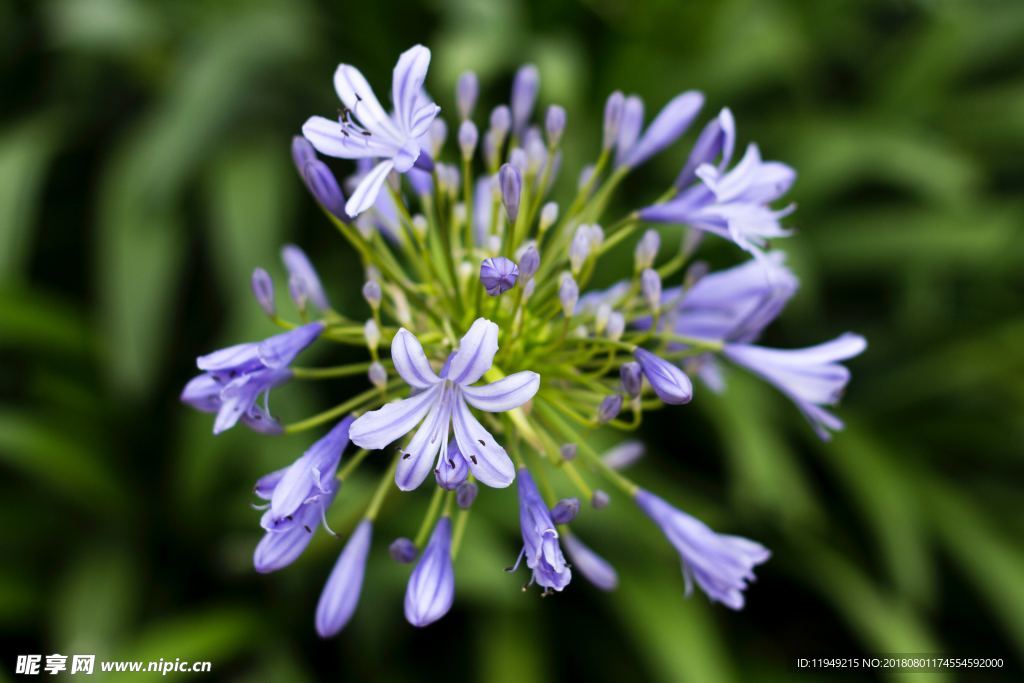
(407, 79)
(418, 456)
(368, 189)
(505, 394)
(488, 461)
(378, 428)
(475, 354)
(410, 361)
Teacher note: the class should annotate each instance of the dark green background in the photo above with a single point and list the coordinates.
(144, 171)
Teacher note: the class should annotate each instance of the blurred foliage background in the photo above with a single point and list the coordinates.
(145, 170)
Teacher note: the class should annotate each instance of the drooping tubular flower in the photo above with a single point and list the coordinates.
(491, 359)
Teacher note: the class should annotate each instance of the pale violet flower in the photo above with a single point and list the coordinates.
(445, 401)
(367, 131)
(340, 596)
(431, 589)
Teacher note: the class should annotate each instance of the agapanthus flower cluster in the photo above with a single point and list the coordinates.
(492, 360)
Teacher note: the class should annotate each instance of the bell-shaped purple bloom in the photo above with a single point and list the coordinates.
(498, 275)
(733, 205)
(236, 377)
(592, 566)
(303, 277)
(431, 589)
(341, 592)
(722, 565)
(810, 377)
(444, 401)
(540, 538)
(669, 382)
(365, 130)
(281, 546)
(452, 469)
(670, 123)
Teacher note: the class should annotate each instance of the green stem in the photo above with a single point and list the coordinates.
(382, 489)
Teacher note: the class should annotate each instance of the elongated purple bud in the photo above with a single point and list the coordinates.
(465, 494)
(501, 122)
(565, 510)
(718, 137)
(600, 500)
(630, 126)
(511, 190)
(529, 263)
(468, 137)
(372, 293)
(632, 378)
(592, 566)
(431, 589)
(610, 408)
(612, 118)
(623, 455)
(616, 326)
(403, 551)
(646, 250)
(303, 279)
(377, 375)
(341, 592)
(671, 122)
(263, 290)
(554, 124)
(568, 294)
(467, 89)
(524, 95)
(669, 382)
(519, 160)
(650, 286)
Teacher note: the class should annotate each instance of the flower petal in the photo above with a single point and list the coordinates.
(488, 461)
(378, 428)
(671, 122)
(407, 80)
(368, 189)
(358, 96)
(475, 354)
(505, 394)
(327, 136)
(410, 361)
(418, 457)
(341, 592)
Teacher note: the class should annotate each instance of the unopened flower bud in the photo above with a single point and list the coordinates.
(529, 262)
(650, 285)
(632, 377)
(501, 121)
(372, 333)
(610, 408)
(579, 250)
(568, 451)
(403, 550)
(554, 124)
(511, 181)
(612, 118)
(372, 294)
(630, 126)
(467, 89)
(616, 326)
(263, 290)
(378, 375)
(647, 250)
(599, 500)
(524, 95)
(519, 160)
(565, 510)
(419, 225)
(468, 137)
(604, 311)
(297, 291)
(498, 275)
(465, 494)
(528, 289)
(548, 216)
(436, 135)
(586, 173)
(568, 294)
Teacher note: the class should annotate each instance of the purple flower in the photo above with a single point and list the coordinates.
(341, 592)
(610, 408)
(498, 275)
(443, 400)
(236, 377)
(612, 118)
(302, 276)
(431, 589)
(810, 377)
(671, 122)
(630, 125)
(540, 538)
(403, 550)
(722, 565)
(554, 124)
(733, 205)
(623, 455)
(308, 478)
(465, 494)
(365, 130)
(282, 545)
(669, 382)
(524, 96)
(632, 378)
(592, 566)
(717, 138)
(452, 469)
(468, 137)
